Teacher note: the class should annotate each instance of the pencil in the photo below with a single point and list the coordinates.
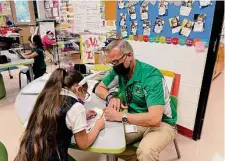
(103, 112)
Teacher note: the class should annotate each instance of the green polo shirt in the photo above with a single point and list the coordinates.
(148, 88)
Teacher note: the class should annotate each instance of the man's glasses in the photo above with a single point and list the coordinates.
(116, 62)
(87, 96)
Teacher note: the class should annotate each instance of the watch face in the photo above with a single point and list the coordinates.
(124, 119)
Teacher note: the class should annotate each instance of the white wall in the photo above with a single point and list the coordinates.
(182, 60)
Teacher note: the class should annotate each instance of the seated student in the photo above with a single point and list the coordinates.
(58, 114)
(37, 53)
(48, 41)
(8, 22)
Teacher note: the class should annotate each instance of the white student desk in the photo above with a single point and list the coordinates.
(16, 61)
(110, 141)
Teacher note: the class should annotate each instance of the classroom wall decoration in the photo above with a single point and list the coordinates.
(172, 22)
(51, 9)
(89, 44)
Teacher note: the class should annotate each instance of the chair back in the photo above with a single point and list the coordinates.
(174, 101)
(3, 152)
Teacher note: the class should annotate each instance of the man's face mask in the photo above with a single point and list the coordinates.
(121, 69)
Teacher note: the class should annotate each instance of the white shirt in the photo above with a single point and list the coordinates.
(76, 119)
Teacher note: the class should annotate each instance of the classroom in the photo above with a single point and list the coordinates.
(111, 80)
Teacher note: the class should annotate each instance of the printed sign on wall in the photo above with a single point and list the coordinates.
(89, 44)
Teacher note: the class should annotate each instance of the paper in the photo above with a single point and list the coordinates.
(89, 44)
(200, 46)
(87, 16)
(91, 122)
(51, 3)
(48, 13)
(129, 128)
(55, 12)
(46, 26)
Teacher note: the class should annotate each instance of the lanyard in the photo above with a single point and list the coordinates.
(128, 91)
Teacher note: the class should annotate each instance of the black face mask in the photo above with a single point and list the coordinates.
(121, 69)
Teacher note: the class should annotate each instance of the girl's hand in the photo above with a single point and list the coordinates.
(90, 114)
(100, 123)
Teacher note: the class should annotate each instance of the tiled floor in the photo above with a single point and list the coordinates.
(205, 149)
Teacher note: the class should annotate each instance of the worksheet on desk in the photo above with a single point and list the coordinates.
(91, 122)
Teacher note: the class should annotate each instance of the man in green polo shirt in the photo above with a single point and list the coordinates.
(145, 94)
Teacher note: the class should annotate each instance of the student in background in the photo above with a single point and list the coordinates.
(8, 22)
(48, 41)
(37, 53)
(58, 115)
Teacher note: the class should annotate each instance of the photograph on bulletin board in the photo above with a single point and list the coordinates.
(123, 18)
(134, 27)
(175, 24)
(132, 12)
(199, 22)
(124, 31)
(186, 26)
(144, 11)
(146, 27)
(121, 4)
(163, 8)
(159, 23)
(186, 7)
(204, 3)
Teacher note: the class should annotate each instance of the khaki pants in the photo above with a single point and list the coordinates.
(153, 140)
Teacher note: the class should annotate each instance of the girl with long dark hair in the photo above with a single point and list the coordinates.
(58, 114)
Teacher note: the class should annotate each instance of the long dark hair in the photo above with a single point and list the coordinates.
(42, 123)
(36, 40)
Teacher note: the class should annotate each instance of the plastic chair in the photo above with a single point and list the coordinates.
(23, 71)
(175, 102)
(3, 152)
(2, 87)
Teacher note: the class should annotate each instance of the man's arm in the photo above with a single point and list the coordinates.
(150, 119)
(102, 91)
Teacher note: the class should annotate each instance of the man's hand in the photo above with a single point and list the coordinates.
(112, 115)
(116, 104)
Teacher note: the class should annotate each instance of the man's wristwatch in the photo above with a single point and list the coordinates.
(124, 118)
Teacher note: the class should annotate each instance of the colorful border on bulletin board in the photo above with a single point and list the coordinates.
(171, 33)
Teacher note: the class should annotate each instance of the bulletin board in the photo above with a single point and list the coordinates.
(147, 21)
(51, 9)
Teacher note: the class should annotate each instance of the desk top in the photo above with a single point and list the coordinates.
(105, 143)
(15, 60)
